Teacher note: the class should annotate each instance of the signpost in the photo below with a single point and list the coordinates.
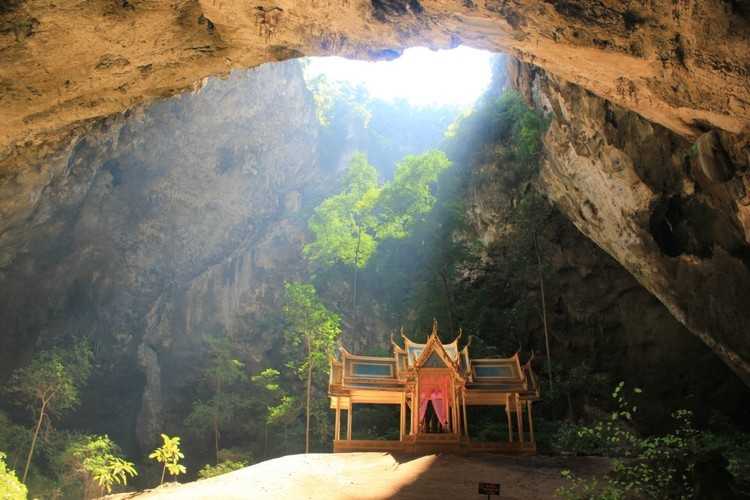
(489, 489)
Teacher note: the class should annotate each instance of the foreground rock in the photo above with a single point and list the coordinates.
(379, 475)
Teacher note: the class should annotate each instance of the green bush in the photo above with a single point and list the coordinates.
(10, 487)
(93, 464)
(592, 489)
(219, 469)
(611, 437)
(663, 467)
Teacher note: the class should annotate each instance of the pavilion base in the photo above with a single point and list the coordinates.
(434, 443)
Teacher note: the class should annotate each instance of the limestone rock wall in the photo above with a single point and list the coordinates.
(672, 213)
(163, 227)
(682, 64)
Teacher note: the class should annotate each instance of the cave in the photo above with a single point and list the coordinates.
(161, 166)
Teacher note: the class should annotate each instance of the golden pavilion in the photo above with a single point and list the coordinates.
(433, 384)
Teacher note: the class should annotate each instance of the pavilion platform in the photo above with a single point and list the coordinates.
(434, 443)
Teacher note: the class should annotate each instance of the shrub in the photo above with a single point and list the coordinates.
(96, 462)
(661, 467)
(10, 487)
(611, 437)
(219, 469)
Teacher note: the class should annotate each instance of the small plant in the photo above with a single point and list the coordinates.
(10, 487)
(96, 460)
(169, 455)
(222, 468)
(593, 489)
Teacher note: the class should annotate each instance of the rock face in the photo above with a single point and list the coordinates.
(163, 227)
(674, 215)
(598, 314)
(682, 64)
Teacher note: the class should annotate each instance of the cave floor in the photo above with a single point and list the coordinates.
(369, 476)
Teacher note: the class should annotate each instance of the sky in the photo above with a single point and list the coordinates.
(421, 76)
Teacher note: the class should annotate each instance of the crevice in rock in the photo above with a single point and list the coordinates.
(383, 9)
(682, 226)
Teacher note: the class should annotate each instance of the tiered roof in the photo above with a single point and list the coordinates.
(496, 375)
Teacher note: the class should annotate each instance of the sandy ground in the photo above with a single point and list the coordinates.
(369, 476)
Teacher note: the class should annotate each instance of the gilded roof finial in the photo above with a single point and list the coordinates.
(435, 328)
(393, 342)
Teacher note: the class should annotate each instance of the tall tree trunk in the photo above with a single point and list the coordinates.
(163, 470)
(265, 440)
(309, 387)
(544, 309)
(216, 437)
(216, 419)
(356, 274)
(33, 441)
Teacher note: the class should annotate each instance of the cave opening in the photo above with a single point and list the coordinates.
(208, 231)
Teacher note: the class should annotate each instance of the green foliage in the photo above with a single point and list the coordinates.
(610, 437)
(589, 489)
(278, 406)
(221, 468)
(343, 224)
(309, 322)
(443, 269)
(10, 487)
(387, 130)
(49, 385)
(349, 225)
(223, 370)
(169, 455)
(15, 440)
(284, 412)
(52, 379)
(96, 462)
(405, 201)
(652, 466)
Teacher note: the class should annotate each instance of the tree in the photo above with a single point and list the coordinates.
(49, 385)
(169, 455)
(223, 369)
(348, 226)
(344, 225)
(310, 323)
(406, 201)
(284, 414)
(269, 395)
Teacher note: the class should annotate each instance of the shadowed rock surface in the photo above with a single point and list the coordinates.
(168, 224)
(674, 215)
(380, 476)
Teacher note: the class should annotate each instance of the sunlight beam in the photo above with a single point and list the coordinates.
(421, 76)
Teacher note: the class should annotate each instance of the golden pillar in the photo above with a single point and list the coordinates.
(508, 410)
(349, 421)
(519, 417)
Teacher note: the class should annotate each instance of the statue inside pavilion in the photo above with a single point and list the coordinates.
(434, 383)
